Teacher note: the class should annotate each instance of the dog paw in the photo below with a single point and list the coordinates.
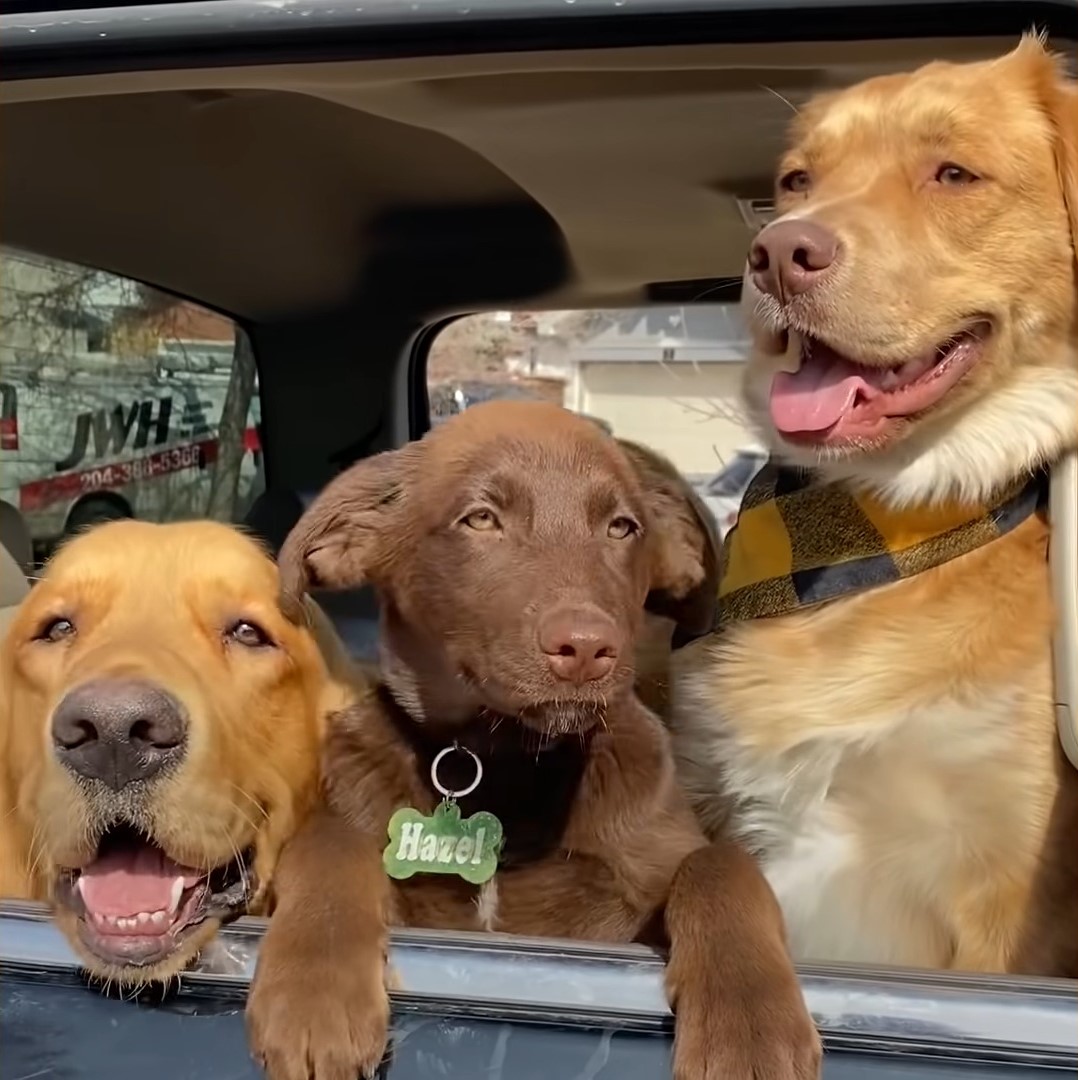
(738, 1033)
(310, 1030)
(766, 1047)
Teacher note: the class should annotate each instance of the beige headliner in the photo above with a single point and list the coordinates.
(250, 188)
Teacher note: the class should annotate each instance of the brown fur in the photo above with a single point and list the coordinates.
(893, 756)
(154, 602)
(600, 843)
(667, 625)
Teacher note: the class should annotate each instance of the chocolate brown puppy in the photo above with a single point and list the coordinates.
(514, 550)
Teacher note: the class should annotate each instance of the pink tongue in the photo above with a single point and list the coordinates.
(122, 883)
(817, 395)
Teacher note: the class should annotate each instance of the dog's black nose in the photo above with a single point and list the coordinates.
(118, 731)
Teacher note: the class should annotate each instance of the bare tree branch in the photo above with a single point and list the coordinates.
(232, 431)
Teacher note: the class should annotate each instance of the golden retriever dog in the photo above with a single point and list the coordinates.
(891, 754)
(514, 551)
(160, 721)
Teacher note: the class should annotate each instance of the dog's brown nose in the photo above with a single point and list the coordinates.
(118, 731)
(581, 645)
(790, 257)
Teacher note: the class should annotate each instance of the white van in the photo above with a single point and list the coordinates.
(105, 414)
(83, 446)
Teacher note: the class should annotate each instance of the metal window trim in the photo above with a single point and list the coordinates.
(92, 39)
(1018, 1021)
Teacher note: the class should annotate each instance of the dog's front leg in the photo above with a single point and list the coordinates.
(738, 1007)
(318, 1008)
(988, 914)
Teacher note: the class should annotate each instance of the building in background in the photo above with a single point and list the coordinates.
(669, 377)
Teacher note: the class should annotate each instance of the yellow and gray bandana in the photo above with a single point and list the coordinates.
(800, 541)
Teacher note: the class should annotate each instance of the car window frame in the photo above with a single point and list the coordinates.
(903, 1013)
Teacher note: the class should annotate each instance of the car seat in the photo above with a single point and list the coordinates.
(15, 536)
(354, 613)
(272, 516)
(13, 588)
(1063, 555)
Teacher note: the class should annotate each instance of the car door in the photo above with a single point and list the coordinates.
(342, 181)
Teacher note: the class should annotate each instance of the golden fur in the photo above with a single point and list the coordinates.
(154, 603)
(893, 756)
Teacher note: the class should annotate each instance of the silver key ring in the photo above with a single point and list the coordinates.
(440, 787)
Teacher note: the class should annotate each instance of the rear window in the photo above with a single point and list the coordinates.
(735, 477)
(669, 377)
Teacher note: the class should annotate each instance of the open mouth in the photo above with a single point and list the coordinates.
(136, 906)
(832, 398)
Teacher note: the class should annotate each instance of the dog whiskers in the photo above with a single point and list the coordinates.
(251, 799)
(718, 288)
(35, 852)
(785, 100)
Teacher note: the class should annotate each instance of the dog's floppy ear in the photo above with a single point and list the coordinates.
(1058, 94)
(347, 531)
(685, 546)
(1066, 110)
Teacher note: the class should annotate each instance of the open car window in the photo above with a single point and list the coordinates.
(666, 376)
(733, 479)
(119, 400)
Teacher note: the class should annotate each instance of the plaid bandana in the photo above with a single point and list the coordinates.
(800, 541)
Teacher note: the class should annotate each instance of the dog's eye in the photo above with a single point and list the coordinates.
(249, 634)
(951, 175)
(621, 528)
(796, 181)
(57, 630)
(481, 520)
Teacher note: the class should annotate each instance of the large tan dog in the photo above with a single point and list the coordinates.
(892, 754)
(160, 718)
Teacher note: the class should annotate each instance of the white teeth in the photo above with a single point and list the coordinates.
(905, 373)
(916, 368)
(791, 359)
(174, 896)
(144, 920)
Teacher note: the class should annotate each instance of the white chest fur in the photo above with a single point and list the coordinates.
(865, 829)
(818, 858)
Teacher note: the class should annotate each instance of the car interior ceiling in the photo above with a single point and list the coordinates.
(337, 209)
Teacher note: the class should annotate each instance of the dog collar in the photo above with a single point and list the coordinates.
(800, 541)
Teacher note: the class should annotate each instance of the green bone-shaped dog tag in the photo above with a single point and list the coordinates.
(443, 843)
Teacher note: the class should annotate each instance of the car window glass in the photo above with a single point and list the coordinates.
(732, 479)
(669, 377)
(119, 400)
